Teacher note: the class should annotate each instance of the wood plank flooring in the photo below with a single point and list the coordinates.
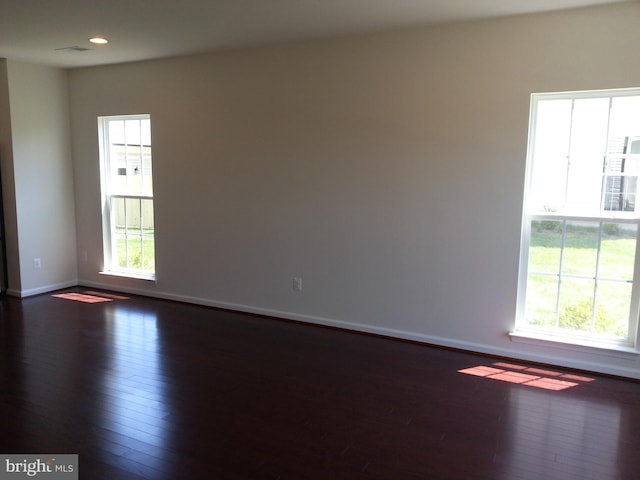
(143, 388)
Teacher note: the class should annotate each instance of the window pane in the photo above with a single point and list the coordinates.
(617, 252)
(146, 221)
(581, 249)
(620, 193)
(625, 117)
(541, 303)
(118, 214)
(545, 248)
(146, 184)
(116, 132)
(620, 161)
(134, 252)
(145, 131)
(120, 250)
(587, 153)
(613, 302)
(550, 150)
(148, 253)
(148, 232)
(133, 216)
(576, 304)
(132, 132)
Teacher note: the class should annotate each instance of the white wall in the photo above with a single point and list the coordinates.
(386, 170)
(43, 193)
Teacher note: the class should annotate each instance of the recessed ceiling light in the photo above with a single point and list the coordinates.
(99, 40)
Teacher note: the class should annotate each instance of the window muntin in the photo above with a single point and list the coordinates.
(128, 218)
(579, 275)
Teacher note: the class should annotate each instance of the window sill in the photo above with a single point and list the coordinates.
(578, 345)
(133, 275)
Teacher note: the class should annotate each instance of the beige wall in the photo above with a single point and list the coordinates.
(385, 170)
(8, 186)
(40, 194)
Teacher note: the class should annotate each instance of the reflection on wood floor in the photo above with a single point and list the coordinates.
(150, 389)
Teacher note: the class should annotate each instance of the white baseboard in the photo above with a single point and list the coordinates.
(40, 290)
(517, 354)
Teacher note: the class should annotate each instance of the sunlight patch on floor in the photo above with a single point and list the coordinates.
(90, 297)
(529, 376)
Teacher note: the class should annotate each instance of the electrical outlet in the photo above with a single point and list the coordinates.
(37, 263)
(297, 284)
(83, 257)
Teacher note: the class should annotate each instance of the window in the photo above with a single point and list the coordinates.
(579, 275)
(127, 193)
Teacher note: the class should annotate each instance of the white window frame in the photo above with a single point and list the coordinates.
(522, 331)
(110, 266)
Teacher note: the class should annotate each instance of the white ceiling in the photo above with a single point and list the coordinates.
(32, 30)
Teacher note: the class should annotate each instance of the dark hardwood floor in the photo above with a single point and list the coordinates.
(148, 389)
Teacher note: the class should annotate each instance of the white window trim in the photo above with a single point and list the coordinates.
(109, 267)
(520, 333)
(573, 344)
(123, 274)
